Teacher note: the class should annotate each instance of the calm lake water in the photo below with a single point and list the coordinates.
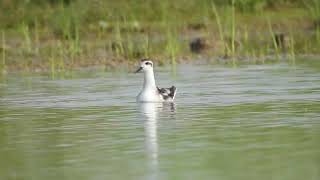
(250, 122)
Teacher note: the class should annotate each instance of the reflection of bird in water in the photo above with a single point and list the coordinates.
(150, 112)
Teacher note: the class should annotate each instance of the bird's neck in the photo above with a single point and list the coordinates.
(149, 82)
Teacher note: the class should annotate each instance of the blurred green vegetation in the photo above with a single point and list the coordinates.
(51, 34)
(55, 13)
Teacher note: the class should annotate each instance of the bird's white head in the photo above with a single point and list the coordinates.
(145, 66)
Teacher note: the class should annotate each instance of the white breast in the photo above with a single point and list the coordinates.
(149, 96)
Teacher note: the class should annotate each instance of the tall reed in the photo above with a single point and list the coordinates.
(246, 42)
(233, 36)
(220, 29)
(274, 41)
(118, 47)
(3, 64)
(146, 46)
(61, 57)
(74, 47)
(27, 38)
(52, 60)
(129, 53)
(318, 35)
(313, 7)
(172, 46)
(130, 50)
(36, 36)
(292, 47)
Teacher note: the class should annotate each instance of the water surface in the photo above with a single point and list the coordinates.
(250, 122)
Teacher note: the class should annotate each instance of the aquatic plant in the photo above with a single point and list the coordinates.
(118, 44)
(3, 48)
(249, 6)
(233, 34)
(146, 46)
(292, 47)
(172, 46)
(219, 25)
(156, 29)
(246, 42)
(313, 7)
(131, 51)
(27, 39)
(274, 42)
(52, 60)
(61, 62)
(36, 37)
(74, 47)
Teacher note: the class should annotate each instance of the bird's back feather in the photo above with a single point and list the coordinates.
(167, 93)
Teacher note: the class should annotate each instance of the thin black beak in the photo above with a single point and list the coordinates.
(138, 70)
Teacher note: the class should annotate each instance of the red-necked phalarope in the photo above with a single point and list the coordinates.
(150, 92)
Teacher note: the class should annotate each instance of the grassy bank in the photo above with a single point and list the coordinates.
(59, 35)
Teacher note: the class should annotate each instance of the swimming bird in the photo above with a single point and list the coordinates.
(150, 92)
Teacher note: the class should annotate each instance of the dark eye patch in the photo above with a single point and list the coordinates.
(148, 63)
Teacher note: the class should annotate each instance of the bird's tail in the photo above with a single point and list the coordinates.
(173, 91)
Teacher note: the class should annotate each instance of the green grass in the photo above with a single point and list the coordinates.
(233, 36)
(218, 21)
(3, 62)
(313, 7)
(27, 38)
(52, 60)
(83, 33)
(273, 36)
(292, 47)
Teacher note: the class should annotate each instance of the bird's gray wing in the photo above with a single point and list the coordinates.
(167, 92)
